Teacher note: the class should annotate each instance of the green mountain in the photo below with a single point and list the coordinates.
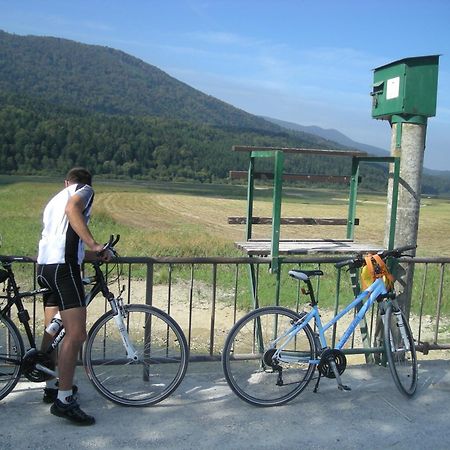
(100, 79)
(64, 103)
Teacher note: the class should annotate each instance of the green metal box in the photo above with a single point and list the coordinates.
(406, 87)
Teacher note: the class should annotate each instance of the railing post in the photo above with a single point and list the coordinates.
(148, 326)
(149, 285)
(213, 311)
(352, 198)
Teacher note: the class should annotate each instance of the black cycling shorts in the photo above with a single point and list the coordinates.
(65, 282)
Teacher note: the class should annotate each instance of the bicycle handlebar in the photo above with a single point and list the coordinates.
(113, 240)
(10, 259)
(358, 261)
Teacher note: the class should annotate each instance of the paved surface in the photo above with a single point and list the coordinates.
(204, 414)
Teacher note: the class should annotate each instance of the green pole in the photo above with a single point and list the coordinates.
(394, 201)
(250, 193)
(352, 199)
(276, 211)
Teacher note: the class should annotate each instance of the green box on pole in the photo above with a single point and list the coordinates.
(406, 87)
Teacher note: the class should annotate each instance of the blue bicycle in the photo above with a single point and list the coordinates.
(271, 354)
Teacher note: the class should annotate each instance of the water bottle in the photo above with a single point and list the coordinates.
(55, 325)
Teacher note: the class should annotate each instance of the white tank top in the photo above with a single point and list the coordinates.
(59, 242)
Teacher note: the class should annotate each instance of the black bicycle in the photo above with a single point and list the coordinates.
(135, 355)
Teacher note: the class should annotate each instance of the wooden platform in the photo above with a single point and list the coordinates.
(306, 247)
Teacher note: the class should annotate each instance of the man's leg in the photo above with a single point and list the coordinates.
(49, 313)
(74, 320)
(51, 390)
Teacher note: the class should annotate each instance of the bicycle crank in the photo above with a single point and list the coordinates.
(37, 366)
(332, 364)
(326, 359)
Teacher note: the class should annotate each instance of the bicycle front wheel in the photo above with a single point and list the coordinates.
(400, 350)
(146, 370)
(11, 354)
(252, 369)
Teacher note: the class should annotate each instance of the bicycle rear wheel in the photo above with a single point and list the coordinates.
(156, 371)
(249, 367)
(11, 354)
(400, 350)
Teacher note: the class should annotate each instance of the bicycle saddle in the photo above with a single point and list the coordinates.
(304, 274)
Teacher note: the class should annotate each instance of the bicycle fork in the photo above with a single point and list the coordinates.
(401, 328)
(119, 315)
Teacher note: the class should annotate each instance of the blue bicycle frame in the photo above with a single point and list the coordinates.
(376, 289)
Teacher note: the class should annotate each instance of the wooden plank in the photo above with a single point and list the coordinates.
(310, 151)
(327, 246)
(303, 240)
(242, 174)
(235, 220)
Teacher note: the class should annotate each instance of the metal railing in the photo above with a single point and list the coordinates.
(206, 296)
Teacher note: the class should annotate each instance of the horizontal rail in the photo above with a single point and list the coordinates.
(207, 295)
(243, 174)
(235, 220)
(310, 151)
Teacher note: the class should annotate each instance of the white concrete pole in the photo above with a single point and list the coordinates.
(411, 152)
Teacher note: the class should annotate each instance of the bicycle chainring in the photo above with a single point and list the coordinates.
(324, 366)
(33, 357)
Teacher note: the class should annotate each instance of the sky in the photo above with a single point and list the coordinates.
(308, 62)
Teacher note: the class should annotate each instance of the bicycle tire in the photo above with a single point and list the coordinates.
(162, 353)
(401, 356)
(11, 355)
(246, 372)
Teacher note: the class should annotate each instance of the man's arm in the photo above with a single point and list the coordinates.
(74, 212)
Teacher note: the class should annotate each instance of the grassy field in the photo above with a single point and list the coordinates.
(178, 219)
(170, 219)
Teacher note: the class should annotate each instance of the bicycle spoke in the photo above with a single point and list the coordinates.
(161, 357)
(11, 353)
(253, 369)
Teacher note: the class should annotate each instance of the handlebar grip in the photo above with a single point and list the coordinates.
(405, 248)
(346, 262)
(352, 263)
(110, 244)
(397, 252)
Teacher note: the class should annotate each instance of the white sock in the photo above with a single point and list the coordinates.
(64, 395)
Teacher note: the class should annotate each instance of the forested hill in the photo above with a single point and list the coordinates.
(101, 79)
(63, 103)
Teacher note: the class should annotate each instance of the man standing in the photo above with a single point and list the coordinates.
(61, 253)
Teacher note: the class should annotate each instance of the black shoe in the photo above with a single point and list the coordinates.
(51, 394)
(72, 412)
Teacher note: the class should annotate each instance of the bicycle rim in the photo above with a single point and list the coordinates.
(400, 352)
(11, 353)
(245, 358)
(162, 357)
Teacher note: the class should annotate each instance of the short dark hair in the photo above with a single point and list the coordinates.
(79, 175)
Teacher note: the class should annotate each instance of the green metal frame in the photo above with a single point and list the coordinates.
(278, 156)
(395, 160)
